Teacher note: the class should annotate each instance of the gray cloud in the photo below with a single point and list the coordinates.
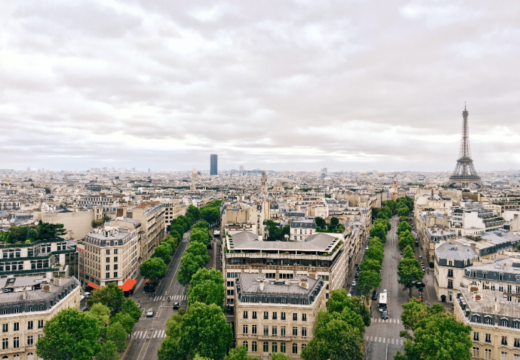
(296, 85)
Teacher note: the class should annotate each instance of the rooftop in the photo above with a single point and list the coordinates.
(246, 241)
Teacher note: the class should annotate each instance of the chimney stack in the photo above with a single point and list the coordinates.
(24, 294)
(261, 284)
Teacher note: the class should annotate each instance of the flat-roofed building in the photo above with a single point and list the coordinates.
(26, 304)
(321, 254)
(273, 316)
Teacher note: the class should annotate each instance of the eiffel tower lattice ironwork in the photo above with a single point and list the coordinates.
(465, 174)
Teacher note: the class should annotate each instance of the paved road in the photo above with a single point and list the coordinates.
(382, 336)
(148, 333)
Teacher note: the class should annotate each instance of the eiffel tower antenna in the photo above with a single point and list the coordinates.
(465, 174)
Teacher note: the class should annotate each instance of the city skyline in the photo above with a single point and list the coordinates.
(293, 86)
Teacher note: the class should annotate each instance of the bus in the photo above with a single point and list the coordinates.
(383, 301)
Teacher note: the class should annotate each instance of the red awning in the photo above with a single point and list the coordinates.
(128, 285)
(92, 285)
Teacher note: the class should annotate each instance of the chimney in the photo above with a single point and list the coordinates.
(24, 294)
(304, 283)
(474, 247)
(260, 238)
(261, 284)
(497, 305)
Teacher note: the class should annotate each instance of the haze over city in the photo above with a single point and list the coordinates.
(283, 86)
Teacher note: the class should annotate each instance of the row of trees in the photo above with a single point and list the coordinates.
(380, 228)
(101, 332)
(155, 267)
(339, 330)
(409, 270)
(436, 334)
(401, 207)
(209, 213)
(196, 254)
(334, 226)
(29, 233)
(370, 274)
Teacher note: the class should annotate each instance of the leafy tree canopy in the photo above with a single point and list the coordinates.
(240, 353)
(153, 269)
(111, 296)
(368, 281)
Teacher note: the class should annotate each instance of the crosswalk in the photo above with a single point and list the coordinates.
(384, 340)
(172, 298)
(387, 321)
(148, 334)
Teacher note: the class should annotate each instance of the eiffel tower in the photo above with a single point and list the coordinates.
(465, 174)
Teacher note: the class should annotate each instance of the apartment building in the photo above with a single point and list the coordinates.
(301, 229)
(494, 321)
(474, 219)
(151, 215)
(26, 304)
(42, 257)
(173, 208)
(109, 255)
(276, 316)
(324, 255)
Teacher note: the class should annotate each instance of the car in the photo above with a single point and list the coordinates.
(375, 293)
(385, 291)
(357, 275)
(354, 283)
(366, 248)
(176, 305)
(384, 315)
(401, 253)
(149, 313)
(420, 257)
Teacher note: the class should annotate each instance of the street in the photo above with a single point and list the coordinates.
(382, 337)
(148, 332)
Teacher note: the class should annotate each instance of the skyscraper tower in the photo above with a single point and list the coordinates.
(194, 176)
(465, 174)
(213, 164)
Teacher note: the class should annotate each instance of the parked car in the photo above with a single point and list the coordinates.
(401, 253)
(354, 283)
(384, 314)
(375, 294)
(357, 275)
(149, 313)
(366, 248)
(176, 305)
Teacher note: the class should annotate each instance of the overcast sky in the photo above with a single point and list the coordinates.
(281, 85)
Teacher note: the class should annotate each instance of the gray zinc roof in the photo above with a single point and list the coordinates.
(455, 252)
(321, 242)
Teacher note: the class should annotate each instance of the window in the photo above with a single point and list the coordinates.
(475, 336)
(108, 252)
(504, 322)
(115, 266)
(40, 324)
(295, 316)
(245, 345)
(107, 275)
(503, 355)
(487, 352)
(501, 288)
(450, 284)
(517, 343)
(230, 292)
(282, 331)
(295, 331)
(274, 331)
(5, 343)
(304, 331)
(488, 338)
(107, 267)
(504, 340)
(274, 347)
(450, 272)
(244, 329)
(244, 316)
(107, 259)
(295, 348)
(282, 347)
(16, 342)
(266, 330)
(266, 315)
(230, 283)
(266, 347)
(501, 277)
(5, 327)
(16, 326)
(253, 346)
(254, 315)
(487, 321)
(476, 352)
(30, 325)
(253, 329)
(115, 252)
(304, 317)
(30, 340)
(115, 274)
(115, 258)
(509, 289)
(282, 316)
(275, 315)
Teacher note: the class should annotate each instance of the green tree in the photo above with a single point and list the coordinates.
(406, 239)
(205, 331)
(153, 269)
(100, 312)
(279, 356)
(131, 308)
(198, 249)
(211, 215)
(374, 254)
(111, 296)
(190, 264)
(339, 300)
(207, 293)
(376, 243)
(204, 274)
(414, 312)
(108, 351)
(384, 213)
(370, 265)
(334, 221)
(391, 204)
(194, 212)
(163, 252)
(200, 235)
(240, 353)
(69, 334)
(403, 226)
(359, 307)
(403, 211)
(334, 339)
(201, 225)
(408, 253)
(409, 270)
(320, 222)
(379, 231)
(126, 320)
(368, 281)
(286, 230)
(117, 334)
(176, 235)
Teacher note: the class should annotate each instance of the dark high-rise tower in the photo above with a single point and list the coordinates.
(213, 170)
(465, 174)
